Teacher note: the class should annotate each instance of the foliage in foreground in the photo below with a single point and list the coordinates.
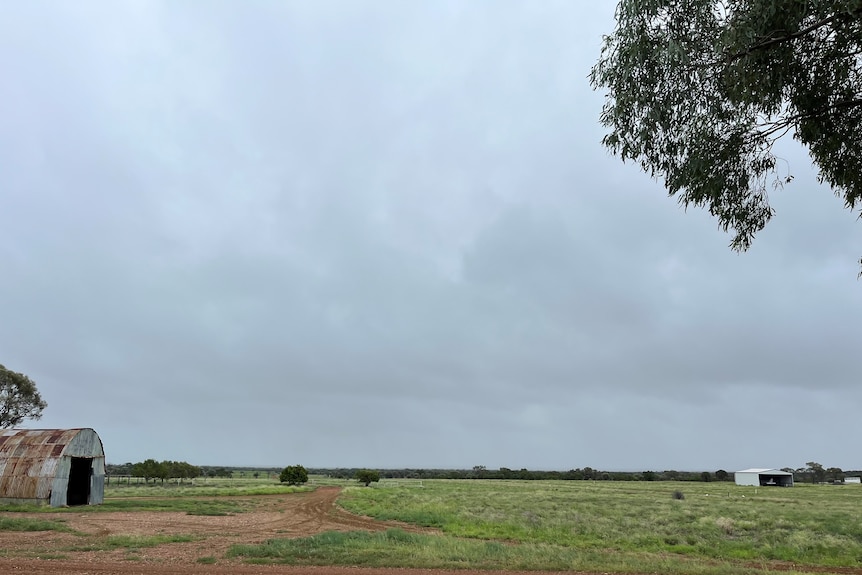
(698, 91)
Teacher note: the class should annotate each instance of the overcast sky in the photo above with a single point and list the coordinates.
(385, 234)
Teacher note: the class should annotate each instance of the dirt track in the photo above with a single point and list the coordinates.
(290, 515)
(31, 567)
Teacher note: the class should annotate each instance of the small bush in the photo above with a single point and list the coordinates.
(367, 476)
(679, 495)
(294, 475)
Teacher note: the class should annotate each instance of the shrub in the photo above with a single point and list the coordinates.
(367, 476)
(294, 475)
(678, 495)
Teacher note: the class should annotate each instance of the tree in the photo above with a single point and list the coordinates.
(722, 475)
(294, 475)
(818, 474)
(181, 470)
(706, 476)
(836, 475)
(367, 476)
(698, 91)
(19, 398)
(148, 469)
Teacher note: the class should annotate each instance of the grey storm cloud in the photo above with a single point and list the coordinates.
(386, 234)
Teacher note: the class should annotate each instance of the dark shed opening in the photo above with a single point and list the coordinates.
(79, 481)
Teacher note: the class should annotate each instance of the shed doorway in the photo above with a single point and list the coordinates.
(79, 481)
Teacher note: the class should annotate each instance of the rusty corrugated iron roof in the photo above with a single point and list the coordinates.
(44, 442)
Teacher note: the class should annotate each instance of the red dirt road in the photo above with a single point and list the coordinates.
(31, 567)
(289, 515)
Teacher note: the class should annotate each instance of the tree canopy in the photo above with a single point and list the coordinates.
(698, 91)
(294, 475)
(19, 398)
(367, 476)
(152, 469)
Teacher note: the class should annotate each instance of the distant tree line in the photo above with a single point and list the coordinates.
(579, 474)
(814, 472)
(152, 469)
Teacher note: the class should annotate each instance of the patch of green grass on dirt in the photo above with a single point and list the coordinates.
(26, 508)
(131, 542)
(56, 556)
(191, 506)
(28, 524)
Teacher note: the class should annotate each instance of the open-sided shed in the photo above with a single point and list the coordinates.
(58, 467)
(764, 477)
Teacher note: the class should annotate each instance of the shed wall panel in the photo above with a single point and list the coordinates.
(747, 478)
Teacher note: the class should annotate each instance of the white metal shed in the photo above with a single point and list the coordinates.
(764, 477)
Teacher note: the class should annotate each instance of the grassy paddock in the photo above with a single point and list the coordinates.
(594, 525)
(396, 548)
(202, 488)
(130, 542)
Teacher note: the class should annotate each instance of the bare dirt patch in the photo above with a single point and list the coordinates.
(269, 516)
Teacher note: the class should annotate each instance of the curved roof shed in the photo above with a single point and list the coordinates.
(57, 467)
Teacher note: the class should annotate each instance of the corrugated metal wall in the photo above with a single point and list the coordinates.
(35, 464)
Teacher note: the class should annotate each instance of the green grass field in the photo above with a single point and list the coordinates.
(597, 526)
